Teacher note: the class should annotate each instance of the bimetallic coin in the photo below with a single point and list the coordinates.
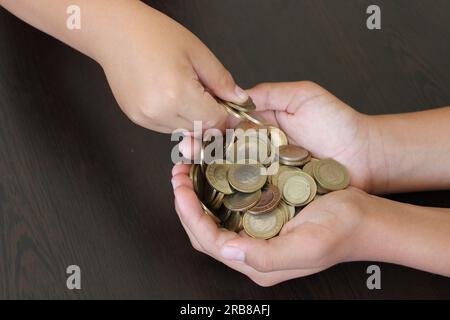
(281, 170)
(237, 114)
(246, 178)
(331, 175)
(191, 172)
(309, 167)
(296, 190)
(209, 213)
(295, 163)
(209, 194)
(198, 181)
(264, 226)
(223, 214)
(287, 211)
(233, 222)
(249, 150)
(218, 201)
(216, 174)
(247, 125)
(321, 190)
(240, 226)
(299, 189)
(247, 106)
(254, 117)
(291, 211)
(241, 201)
(285, 174)
(293, 154)
(270, 198)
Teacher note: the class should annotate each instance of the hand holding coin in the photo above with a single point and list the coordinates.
(321, 123)
(319, 237)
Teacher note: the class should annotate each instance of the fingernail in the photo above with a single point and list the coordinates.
(241, 93)
(233, 253)
(174, 184)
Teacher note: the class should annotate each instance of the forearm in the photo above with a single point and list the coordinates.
(404, 234)
(412, 151)
(102, 21)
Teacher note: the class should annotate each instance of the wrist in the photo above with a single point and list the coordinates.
(378, 155)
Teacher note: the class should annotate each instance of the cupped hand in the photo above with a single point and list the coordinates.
(315, 119)
(163, 76)
(318, 121)
(324, 233)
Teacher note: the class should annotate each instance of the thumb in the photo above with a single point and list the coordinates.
(215, 77)
(295, 250)
(285, 96)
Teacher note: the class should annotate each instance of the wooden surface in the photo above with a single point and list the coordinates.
(80, 184)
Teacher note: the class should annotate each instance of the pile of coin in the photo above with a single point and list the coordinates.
(239, 196)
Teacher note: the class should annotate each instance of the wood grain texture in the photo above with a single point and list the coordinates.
(80, 184)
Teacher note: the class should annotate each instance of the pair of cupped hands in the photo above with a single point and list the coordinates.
(184, 80)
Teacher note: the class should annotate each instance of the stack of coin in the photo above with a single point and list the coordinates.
(238, 197)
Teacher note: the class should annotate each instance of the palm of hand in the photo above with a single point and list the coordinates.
(318, 121)
(320, 236)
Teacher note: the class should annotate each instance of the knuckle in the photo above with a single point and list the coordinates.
(225, 79)
(162, 100)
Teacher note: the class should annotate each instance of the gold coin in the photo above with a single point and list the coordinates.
(321, 190)
(295, 163)
(291, 211)
(249, 150)
(209, 213)
(247, 125)
(331, 175)
(246, 178)
(299, 189)
(236, 114)
(223, 214)
(218, 201)
(254, 117)
(241, 201)
(281, 170)
(285, 174)
(233, 222)
(216, 174)
(264, 226)
(209, 194)
(240, 226)
(198, 181)
(247, 106)
(269, 200)
(309, 167)
(293, 154)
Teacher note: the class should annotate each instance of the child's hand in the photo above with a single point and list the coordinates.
(323, 234)
(347, 225)
(321, 123)
(163, 76)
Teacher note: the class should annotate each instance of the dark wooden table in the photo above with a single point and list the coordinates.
(80, 184)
